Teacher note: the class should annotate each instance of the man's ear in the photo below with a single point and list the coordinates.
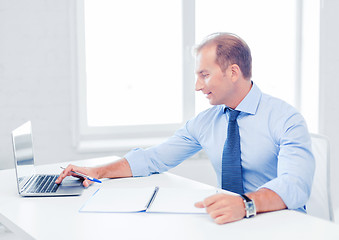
(236, 72)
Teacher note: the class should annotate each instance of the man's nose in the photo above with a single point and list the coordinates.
(199, 85)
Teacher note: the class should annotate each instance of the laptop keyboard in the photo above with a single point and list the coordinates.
(43, 184)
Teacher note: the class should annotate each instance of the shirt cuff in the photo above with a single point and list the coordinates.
(290, 190)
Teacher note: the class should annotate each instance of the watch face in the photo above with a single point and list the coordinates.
(250, 209)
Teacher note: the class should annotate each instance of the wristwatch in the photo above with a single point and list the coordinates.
(249, 206)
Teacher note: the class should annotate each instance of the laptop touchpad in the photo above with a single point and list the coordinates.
(71, 181)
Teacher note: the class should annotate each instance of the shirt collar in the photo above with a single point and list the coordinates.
(251, 102)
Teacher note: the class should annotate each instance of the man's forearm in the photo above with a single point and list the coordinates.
(266, 200)
(118, 169)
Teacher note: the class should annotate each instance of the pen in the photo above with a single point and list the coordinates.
(84, 176)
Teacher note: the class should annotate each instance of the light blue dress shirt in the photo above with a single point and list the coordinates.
(275, 147)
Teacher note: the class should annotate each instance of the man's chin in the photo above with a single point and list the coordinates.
(213, 102)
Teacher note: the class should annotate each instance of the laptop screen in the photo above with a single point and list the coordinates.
(23, 153)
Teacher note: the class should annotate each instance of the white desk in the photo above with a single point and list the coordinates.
(58, 217)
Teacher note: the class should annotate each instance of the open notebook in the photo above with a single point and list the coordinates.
(150, 200)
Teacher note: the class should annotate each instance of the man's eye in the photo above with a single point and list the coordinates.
(205, 75)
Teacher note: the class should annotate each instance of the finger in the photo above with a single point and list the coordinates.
(227, 214)
(86, 183)
(219, 204)
(212, 199)
(199, 204)
(224, 219)
(60, 177)
(66, 172)
(221, 220)
(219, 212)
(71, 171)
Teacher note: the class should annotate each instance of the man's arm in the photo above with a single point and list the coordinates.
(116, 169)
(143, 162)
(266, 200)
(224, 208)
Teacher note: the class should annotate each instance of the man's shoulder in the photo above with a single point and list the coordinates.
(211, 112)
(203, 121)
(207, 116)
(272, 103)
(279, 114)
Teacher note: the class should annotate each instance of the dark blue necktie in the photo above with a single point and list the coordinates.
(231, 158)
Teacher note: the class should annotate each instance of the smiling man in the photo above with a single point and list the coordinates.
(219, 81)
(258, 145)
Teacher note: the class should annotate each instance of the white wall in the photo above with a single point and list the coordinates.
(36, 78)
(329, 87)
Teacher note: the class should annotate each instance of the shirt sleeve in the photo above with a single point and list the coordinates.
(160, 158)
(296, 163)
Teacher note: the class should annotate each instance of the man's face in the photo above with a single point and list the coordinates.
(215, 84)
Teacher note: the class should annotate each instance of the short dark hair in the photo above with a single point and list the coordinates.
(230, 49)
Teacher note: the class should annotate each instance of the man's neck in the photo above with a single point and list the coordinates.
(243, 89)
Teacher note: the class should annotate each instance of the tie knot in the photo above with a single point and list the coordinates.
(233, 114)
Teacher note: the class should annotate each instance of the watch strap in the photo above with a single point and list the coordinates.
(247, 199)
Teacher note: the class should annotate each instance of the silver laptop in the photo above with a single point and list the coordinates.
(30, 183)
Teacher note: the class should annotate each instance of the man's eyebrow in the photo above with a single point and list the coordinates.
(201, 71)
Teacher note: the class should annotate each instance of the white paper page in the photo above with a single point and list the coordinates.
(118, 200)
(179, 200)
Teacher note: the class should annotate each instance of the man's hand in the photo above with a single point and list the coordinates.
(67, 172)
(224, 208)
(116, 169)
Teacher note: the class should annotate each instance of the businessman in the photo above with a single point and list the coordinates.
(258, 145)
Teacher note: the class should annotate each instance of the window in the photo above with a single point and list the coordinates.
(136, 71)
(131, 71)
(133, 62)
(269, 28)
